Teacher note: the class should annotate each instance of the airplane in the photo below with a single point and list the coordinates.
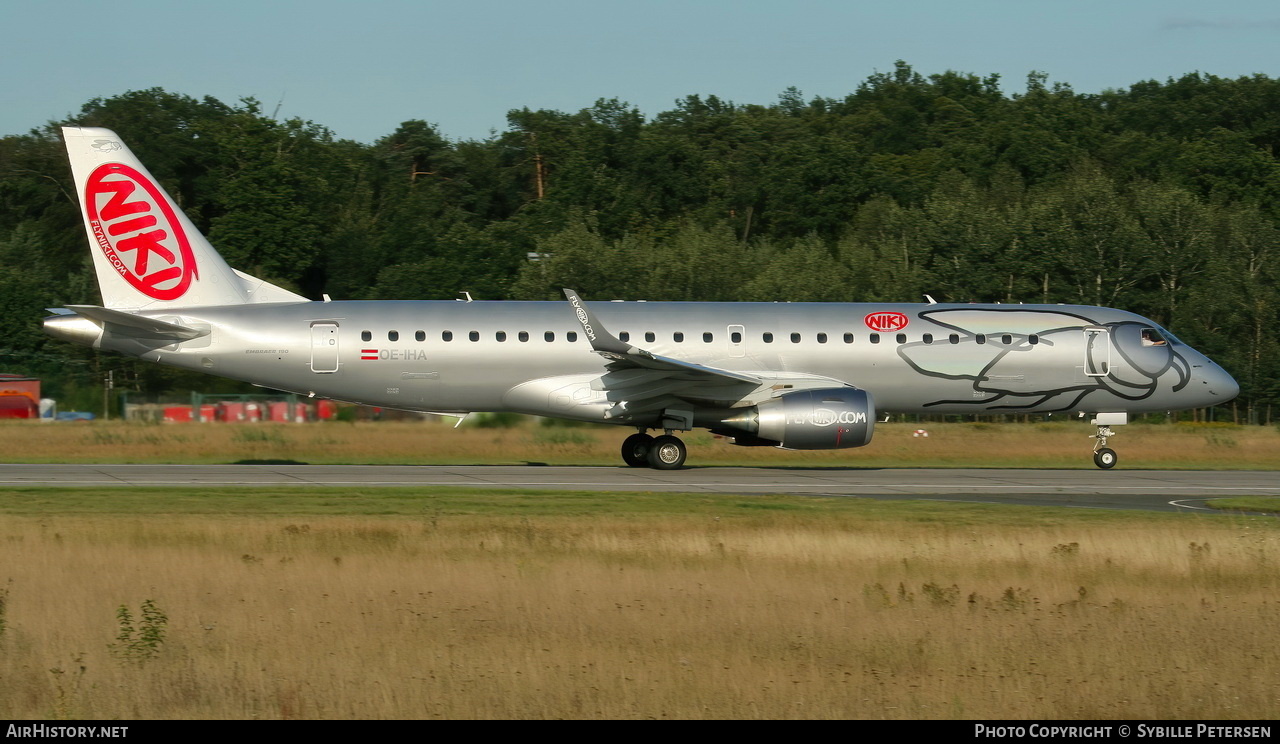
(804, 376)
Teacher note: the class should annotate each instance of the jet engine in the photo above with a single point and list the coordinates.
(834, 418)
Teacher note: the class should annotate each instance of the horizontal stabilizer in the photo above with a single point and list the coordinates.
(137, 326)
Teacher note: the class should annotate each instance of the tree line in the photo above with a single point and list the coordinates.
(1161, 198)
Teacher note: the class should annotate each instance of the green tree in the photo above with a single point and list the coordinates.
(808, 271)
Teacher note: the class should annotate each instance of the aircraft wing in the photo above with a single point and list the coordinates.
(639, 381)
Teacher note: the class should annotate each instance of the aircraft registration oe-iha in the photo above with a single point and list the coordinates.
(793, 375)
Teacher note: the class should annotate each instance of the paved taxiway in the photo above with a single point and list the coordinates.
(1158, 490)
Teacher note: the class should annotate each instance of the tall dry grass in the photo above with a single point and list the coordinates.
(778, 616)
(1062, 444)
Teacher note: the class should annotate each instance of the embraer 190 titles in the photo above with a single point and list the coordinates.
(791, 375)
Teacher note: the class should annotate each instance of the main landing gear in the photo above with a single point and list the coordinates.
(1103, 456)
(665, 452)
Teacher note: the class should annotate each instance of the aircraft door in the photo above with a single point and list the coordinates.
(324, 348)
(1097, 352)
(736, 335)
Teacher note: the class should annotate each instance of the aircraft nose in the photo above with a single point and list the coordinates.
(1218, 385)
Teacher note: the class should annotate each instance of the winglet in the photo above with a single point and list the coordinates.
(600, 338)
(611, 347)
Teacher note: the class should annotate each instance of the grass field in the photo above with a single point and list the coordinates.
(1064, 444)
(403, 603)
(391, 603)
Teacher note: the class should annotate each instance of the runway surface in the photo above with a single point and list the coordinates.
(1155, 490)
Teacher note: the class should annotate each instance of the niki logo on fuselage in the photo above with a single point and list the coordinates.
(885, 322)
(136, 229)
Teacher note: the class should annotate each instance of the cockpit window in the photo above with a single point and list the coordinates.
(1153, 337)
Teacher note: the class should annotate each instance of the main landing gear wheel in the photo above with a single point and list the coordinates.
(667, 453)
(1105, 458)
(635, 450)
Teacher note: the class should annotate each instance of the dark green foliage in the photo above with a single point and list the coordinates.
(141, 639)
(1161, 198)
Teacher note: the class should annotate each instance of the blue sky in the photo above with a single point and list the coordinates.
(360, 68)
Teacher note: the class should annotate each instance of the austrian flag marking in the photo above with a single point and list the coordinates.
(886, 322)
(139, 233)
(368, 355)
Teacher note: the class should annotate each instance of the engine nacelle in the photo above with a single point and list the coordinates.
(832, 418)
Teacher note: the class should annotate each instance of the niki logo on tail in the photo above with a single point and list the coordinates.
(136, 229)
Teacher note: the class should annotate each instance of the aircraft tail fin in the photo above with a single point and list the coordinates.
(146, 252)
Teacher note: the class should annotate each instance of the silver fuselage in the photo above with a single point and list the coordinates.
(531, 357)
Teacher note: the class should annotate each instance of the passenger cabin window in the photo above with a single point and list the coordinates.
(954, 338)
(571, 336)
(795, 338)
(822, 338)
(767, 338)
(419, 336)
(649, 337)
(980, 338)
(446, 335)
(678, 337)
(927, 338)
(523, 336)
(1006, 339)
(735, 337)
(707, 338)
(875, 338)
(366, 336)
(474, 335)
(1033, 339)
(549, 336)
(500, 335)
(902, 338)
(624, 336)
(848, 338)
(393, 335)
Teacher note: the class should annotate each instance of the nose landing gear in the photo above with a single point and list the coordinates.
(1103, 456)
